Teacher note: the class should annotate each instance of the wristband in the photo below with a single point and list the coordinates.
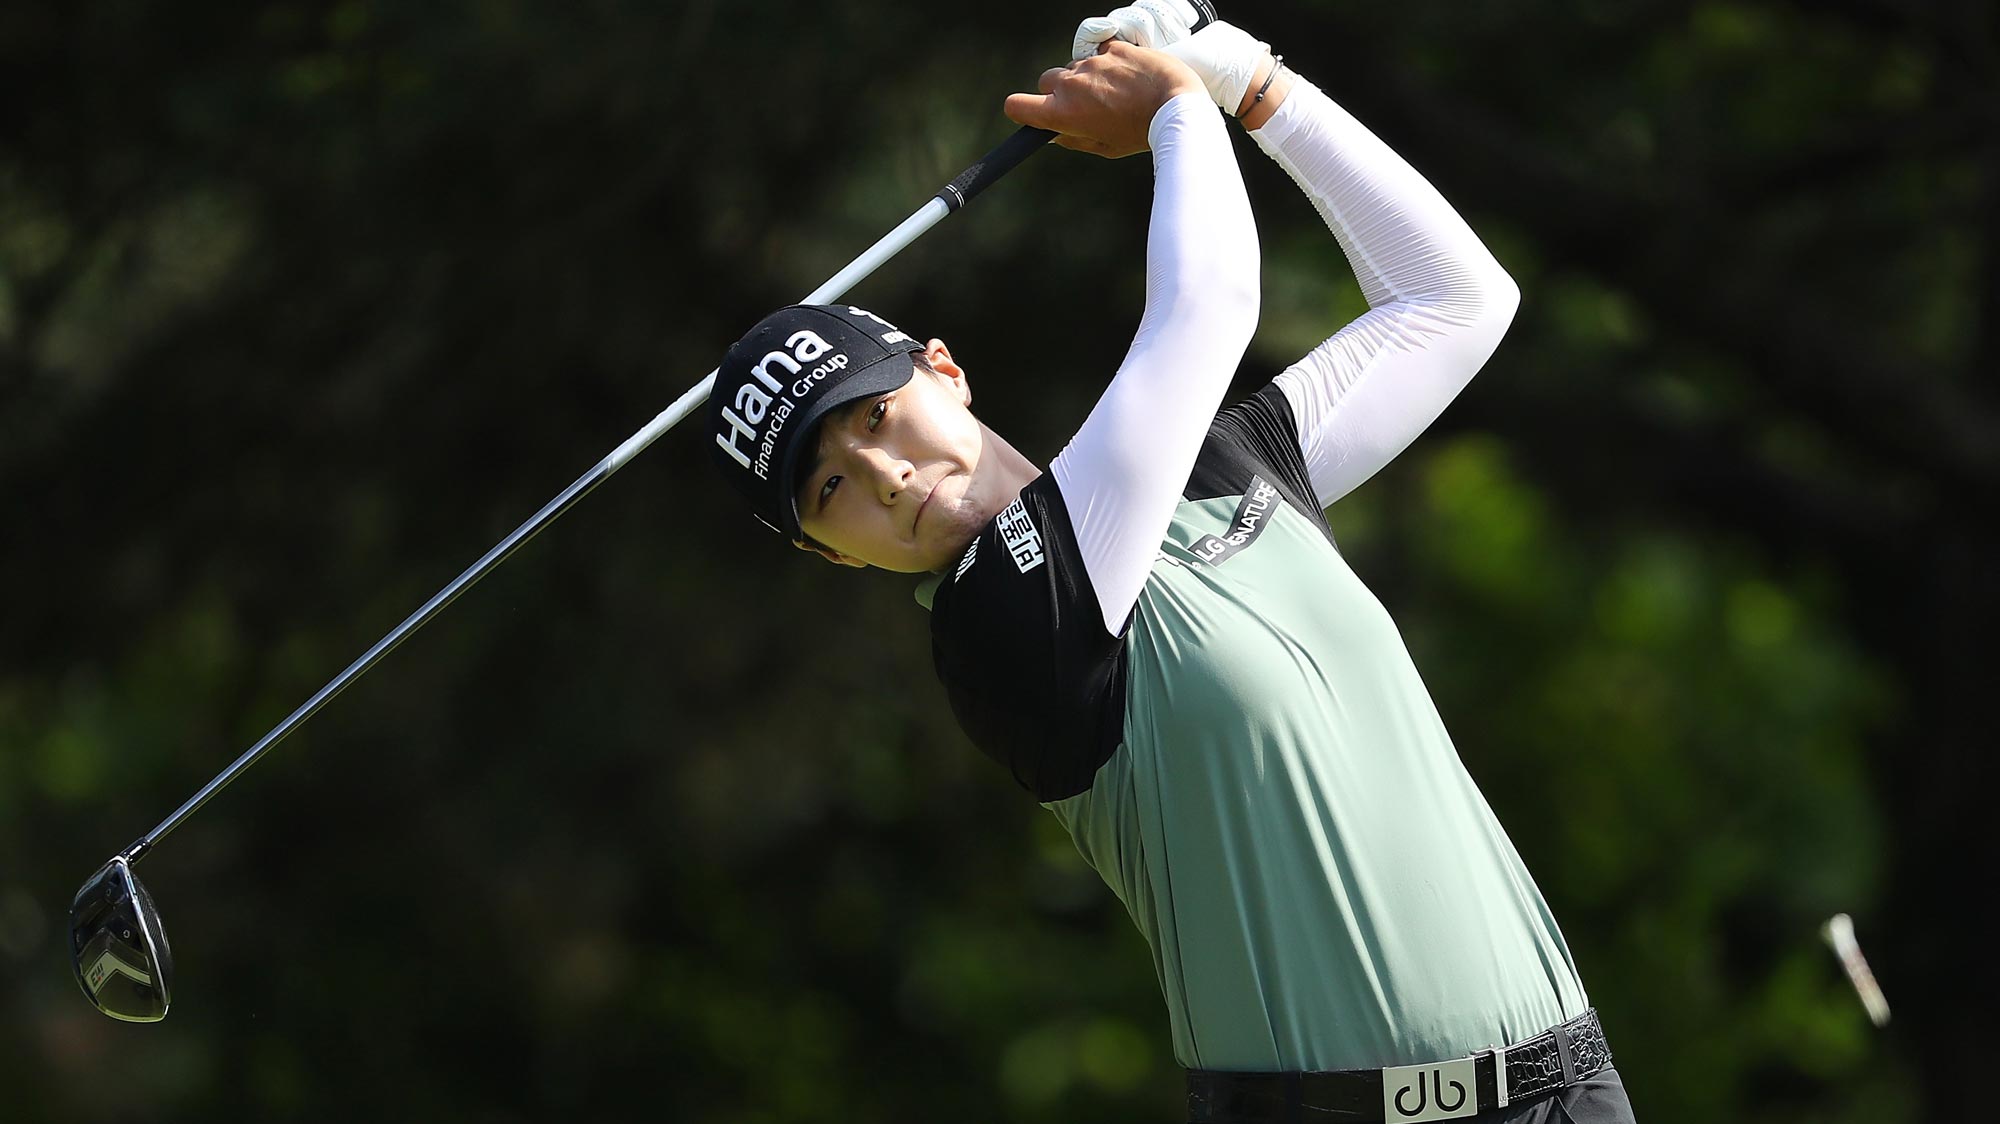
(1277, 64)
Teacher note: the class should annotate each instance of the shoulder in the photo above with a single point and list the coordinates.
(1032, 676)
(1255, 439)
(1021, 553)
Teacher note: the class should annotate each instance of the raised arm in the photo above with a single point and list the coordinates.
(1438, 301)
(1122, 474)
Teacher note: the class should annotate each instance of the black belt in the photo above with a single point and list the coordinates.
(1559, 1056)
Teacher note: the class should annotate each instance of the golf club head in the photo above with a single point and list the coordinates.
(118, 947)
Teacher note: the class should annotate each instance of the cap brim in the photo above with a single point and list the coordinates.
(891, 372)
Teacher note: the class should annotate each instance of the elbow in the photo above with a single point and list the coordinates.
(1506, 297)
(1472, 293)
(1499, 298)
(1228, 277)
(1477, 319)
(1230, 314)
(1211, 306)
(1241, 305)
(1485, 307)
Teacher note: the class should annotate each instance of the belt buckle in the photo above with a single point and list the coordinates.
(1412, 1094)
(1499, 1076)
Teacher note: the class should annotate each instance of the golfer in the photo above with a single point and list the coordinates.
(1158, 637)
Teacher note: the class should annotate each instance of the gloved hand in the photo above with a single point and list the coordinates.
(1144, 23)
(1223, 56)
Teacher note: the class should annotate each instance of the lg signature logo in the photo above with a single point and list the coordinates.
(1429, 1092)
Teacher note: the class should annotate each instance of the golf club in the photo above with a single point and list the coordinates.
(118, 946)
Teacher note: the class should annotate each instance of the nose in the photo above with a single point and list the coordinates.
(888, 474)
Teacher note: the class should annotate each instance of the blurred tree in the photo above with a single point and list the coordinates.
(304, 304)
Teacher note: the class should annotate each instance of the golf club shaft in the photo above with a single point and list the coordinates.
(954, 195)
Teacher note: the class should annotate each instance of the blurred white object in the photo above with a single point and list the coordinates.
(1839, 933)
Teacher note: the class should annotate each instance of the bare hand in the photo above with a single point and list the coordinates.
(1105, 104)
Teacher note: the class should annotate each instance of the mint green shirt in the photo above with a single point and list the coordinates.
(1255, 768)
(1289, 825)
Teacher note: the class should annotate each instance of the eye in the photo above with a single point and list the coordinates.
(826, 490)
(875, 415)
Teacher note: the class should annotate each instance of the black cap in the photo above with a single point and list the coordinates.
(780, 379)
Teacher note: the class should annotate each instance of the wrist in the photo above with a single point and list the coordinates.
(1188, 85)
(1260, 75)
(1269, 85)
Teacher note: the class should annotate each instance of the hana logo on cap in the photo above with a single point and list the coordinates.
(781, 378)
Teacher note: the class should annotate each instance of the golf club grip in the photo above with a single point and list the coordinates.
(1026, 141)
(1005, 157)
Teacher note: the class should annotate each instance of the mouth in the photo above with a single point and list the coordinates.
(926, 505)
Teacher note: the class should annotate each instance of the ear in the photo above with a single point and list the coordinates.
(941, 361)
(832, 556)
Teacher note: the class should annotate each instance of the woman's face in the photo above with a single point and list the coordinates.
(900, 481)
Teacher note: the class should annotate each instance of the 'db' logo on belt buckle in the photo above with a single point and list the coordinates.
(1443, 1091)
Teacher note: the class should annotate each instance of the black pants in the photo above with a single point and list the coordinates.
(1597, 1099)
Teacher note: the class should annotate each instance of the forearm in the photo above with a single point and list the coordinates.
(1267, 91)
(1123, 472)
(1201, 250)
(1401, 237)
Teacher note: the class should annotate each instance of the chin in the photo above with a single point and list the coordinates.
(961, 525)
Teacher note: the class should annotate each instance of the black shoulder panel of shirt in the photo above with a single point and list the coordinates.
(1256, 437)
(1017, 636)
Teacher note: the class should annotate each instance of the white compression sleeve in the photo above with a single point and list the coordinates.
(1122, 474)
(1438, 301)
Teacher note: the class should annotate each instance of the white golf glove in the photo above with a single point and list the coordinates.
(1223, 56)
(1146, 23)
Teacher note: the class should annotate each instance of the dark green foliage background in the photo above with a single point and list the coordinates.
(304, 305)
